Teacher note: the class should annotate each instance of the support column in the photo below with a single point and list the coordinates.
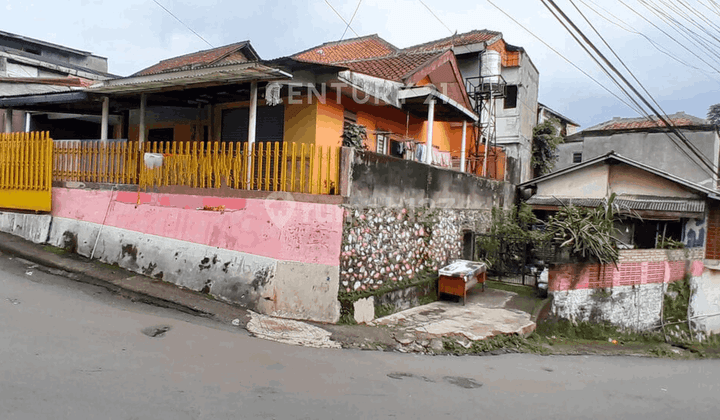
(8, 120)
(252, 124)
(27, 122)
(141, 134)
(105, 116)
(462, 147)
(429, 141)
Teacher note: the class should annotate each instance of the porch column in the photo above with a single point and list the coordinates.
(141, 134)
(27, 122)
(429, 141)
(8, 120)
(105, 116)
(462, 147)
(252, 123)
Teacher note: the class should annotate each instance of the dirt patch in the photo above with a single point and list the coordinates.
(362, 336)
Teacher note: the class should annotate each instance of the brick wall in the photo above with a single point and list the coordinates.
(636, 267)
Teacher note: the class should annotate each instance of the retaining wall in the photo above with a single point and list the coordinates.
(404, 220)
(277, 257)
(629, 295)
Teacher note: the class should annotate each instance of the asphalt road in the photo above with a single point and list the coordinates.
(74, 351)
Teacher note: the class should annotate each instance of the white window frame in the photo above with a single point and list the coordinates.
(382, 141)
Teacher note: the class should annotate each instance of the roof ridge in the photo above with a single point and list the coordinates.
(239, 44)
(393, 55)
(448, 38)
(347, 41)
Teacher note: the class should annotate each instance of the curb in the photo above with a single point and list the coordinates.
(17, 246)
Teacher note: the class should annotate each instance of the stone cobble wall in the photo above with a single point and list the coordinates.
(394, 245)
(636, 307)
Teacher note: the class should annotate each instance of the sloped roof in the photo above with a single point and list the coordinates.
(395, 67)
(240, 52)
(685, 205)
(679, 119)
(614, 157)
(371, 46)
(473, 37)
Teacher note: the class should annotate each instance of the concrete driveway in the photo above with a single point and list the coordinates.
(484, 315)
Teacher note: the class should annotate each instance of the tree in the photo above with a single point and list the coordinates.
(713, 114)
(546, 139)
(354, 135)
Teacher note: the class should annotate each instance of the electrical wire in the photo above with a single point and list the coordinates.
(561, 56)
(626, 27)
(436, 17)
(699, 56)
(662, 118)
(183, 23)
(689, 144)
(342, 18)
(351, 20)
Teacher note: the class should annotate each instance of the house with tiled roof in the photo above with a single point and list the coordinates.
(649, 141)
(667, 229)
(514, 109)
(514, 116)
(308, 98)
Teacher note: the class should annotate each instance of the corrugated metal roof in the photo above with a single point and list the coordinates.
(215, 73)
(684, 205)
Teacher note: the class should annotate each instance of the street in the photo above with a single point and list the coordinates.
(76, 351)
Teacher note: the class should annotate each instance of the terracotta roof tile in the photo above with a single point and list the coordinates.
(679, 119)
(394, 67)
(371, 46)
(200, 58)
(472, 37)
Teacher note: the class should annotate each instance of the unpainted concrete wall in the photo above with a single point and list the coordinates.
(384, 181)
(655, 149)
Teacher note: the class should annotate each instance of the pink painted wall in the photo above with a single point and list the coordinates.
(283, 230)
(596, 276)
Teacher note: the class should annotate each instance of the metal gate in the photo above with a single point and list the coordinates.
(513, 260)
(26, 171)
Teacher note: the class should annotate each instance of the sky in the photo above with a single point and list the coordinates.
(134, 34)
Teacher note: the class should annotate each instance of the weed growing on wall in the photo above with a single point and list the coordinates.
(675, 310)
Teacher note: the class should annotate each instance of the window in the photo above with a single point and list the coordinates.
(269, 124)
(382, 143)
(511, 94)
(161, 134)
(349, 118)
(577, 157)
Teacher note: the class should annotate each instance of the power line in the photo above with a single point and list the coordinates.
(699, 56)
(662, 118)
(183, 23)
(436, 17)
(694, 148)
(342, 18)
(562, 56)
(351, 20)
(626, 27)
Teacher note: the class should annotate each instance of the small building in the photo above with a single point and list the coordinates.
(32, 67)
(651, 143)
(567, 126)
(664, 232)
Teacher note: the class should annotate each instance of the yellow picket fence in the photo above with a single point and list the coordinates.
(276, 166)
(26, 171)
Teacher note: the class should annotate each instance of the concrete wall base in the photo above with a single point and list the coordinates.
(267, 285)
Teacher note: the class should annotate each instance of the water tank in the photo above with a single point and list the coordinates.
(490, 66)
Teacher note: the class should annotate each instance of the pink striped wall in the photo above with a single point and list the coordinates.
(284, 230)
(595, 276)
